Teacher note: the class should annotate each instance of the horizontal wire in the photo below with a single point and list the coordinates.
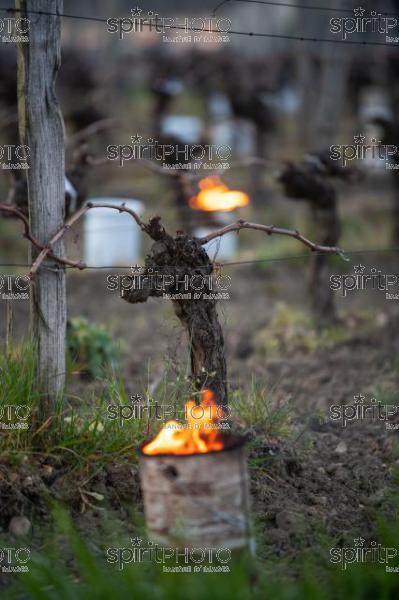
(250, 34)
(232, 32)
(300, 256)
(303, 7)
(53, 14)
(300, 6)
(217, 264)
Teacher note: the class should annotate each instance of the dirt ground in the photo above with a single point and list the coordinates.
(322, 477)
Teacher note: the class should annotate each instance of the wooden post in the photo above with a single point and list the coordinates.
(9, 326)
(332, 86)
(332, 97)
(41, 128)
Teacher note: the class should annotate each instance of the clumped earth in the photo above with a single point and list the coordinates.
(327, 482)
(325, 476)
(320, 478)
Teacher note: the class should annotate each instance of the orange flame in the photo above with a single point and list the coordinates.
(198, 436)
(214, 195)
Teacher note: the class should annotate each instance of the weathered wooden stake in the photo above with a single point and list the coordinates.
(41, 129)
(9, 326)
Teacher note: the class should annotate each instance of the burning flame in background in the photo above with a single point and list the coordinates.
(198, 437)
(214, 195)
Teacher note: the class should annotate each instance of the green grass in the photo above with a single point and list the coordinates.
(81, 430)
(65, 565)
(92, 348)
(293, 329)
(72, 569)
(259, 411)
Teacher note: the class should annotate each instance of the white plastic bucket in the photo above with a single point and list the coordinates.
(221, 248)
(111, 237)
(186, 128)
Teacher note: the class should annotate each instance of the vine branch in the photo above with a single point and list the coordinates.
(153, 229)
(270, 229)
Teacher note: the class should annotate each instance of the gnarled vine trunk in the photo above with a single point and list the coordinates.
(180, 270)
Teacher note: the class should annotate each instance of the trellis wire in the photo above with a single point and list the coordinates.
(251, 34)
(232, 32)
(57, 267)
(301, 7)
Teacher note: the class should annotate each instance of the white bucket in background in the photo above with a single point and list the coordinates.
(221, 248)
(219, 107)
(244, 138)
(111, 237)
(374, 104)
(238, 134)
(224, 247)
(222, 134)
(186, 128)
